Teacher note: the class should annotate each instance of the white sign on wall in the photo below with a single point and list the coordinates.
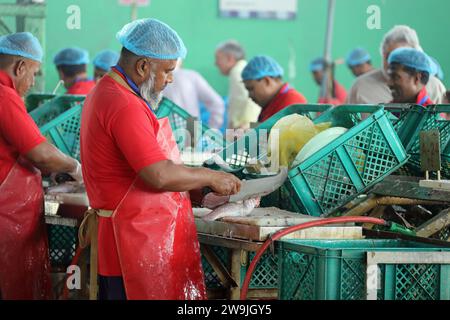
(258, 9)
(139, 3)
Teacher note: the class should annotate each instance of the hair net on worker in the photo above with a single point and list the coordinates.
(22, 44)
(71, 57)
(260, 67)
(358, 56)
(317, 65)
(436, 69)
(152, 38)
(106, 59)
(412, 58)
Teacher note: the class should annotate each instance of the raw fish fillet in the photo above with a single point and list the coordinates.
(233, 209)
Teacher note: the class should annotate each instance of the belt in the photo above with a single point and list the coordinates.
(87, 235)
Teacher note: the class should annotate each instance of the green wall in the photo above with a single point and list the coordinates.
(200, 27)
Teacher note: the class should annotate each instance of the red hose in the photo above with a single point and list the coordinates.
(289, 230)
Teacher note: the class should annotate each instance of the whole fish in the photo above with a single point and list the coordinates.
(233, 209)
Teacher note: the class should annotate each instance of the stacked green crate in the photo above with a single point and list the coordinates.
(187, 128)
(336, 270)
(348, 166)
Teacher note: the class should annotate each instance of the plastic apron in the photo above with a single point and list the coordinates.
(24, 260)
(156, 238)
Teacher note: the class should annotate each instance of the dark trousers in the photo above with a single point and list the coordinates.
(111, 288)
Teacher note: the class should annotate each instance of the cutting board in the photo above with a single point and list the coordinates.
(262, 222)
(264, 217)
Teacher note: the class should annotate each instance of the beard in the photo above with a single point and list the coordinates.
(147, 91)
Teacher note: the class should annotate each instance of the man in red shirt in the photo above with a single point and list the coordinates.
(409, 71)
(263, 79)
(71, 64)
(338, 93)
(147, 240)
(24, 264)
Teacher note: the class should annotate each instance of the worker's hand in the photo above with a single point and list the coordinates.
(76, 174)
(225, 184)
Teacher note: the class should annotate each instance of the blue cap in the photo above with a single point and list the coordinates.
(22, 44)
(317, 65)
(260, 67)
(436, 69)
(358, 56)
(153, 39)
(106, 59)
(411, 58)
(71, 57)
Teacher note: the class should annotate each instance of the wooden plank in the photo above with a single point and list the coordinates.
(222, 272)
(235, 292)
(257, 233)
(257, 294)
(409, 188)
(430, 150)
(435, 224)
(58, 220)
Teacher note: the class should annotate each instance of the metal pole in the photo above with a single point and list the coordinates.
(134, 11)
(328, 47)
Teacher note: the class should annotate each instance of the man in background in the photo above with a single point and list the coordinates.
(189, 90)
(103, 62)
(409, 71)
(372, 87)
(263, 78)
(71, 64)
(230, 59)
(338, 93)
(359, 62)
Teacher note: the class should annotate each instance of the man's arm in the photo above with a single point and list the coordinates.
(168, 176)
(48, 158)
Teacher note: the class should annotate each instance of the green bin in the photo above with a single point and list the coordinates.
(336, 270)
(348, 166)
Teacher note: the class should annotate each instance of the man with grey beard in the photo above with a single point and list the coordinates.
(147, 240)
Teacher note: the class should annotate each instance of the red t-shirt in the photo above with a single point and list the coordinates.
(118, 139)
(340, 95)
(82, 87)
(287, 96)
(18, 132)
(423, 98)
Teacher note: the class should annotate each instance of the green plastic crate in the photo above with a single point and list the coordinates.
(34, 100)
(212, 280)
(336, 270)
(253, 145)
(409, 126)
(55, 107)
(183, 126)
(265, 275)
(64, 131)
(62, 242)
(348, 166)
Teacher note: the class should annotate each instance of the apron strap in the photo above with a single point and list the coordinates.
(87, 235)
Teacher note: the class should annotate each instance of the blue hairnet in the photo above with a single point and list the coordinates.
(71, 57)
(260, 67)
(357, 56)
(152, 38)
(22, 44)
(106, 59)
(412, 58)
(436, 69)
(317, 65)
